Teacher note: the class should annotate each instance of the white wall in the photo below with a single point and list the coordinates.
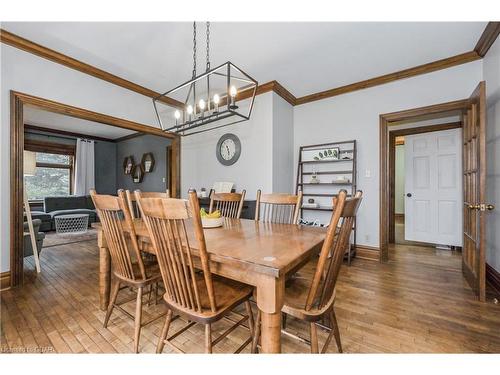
(491, 69)
(283, 151)
(399, 180)
(27, 73)
(356, 116)
(253, 170)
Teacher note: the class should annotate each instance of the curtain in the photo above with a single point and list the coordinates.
(84, 167)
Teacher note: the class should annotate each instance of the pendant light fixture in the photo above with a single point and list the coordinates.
(218, 97)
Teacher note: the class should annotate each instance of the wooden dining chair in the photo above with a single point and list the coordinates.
(198, 296)
(128, 268)
(229, 204)
(278, 208)
(134, 210)
(313, 299)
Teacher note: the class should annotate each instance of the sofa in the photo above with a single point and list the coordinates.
(39, 237)
(45, 220)
(69, 205)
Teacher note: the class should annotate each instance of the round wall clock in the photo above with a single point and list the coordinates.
(228, 149)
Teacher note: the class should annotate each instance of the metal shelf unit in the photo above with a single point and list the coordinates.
(306, 167)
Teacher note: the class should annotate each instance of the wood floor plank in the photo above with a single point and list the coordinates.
(418, 302)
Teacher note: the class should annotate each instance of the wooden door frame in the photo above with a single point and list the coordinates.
(392, 164)
(17, 102)
(387, 120)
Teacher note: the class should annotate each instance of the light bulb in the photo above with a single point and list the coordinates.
(189, 109)
(233, 91)
(216, 99)
(177, 115)
(201, 104)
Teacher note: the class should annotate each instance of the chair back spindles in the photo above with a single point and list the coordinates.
(229, 204)
(322, 288)
(165, 220)
(114, 214)
(278, 208)
(132, 204)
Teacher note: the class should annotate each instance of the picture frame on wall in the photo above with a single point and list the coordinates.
(128, 164)
(137, 174)
(148, 162)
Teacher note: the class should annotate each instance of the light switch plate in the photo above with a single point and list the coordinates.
(368, 173)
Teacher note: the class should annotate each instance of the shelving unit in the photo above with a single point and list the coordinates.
(326, 170)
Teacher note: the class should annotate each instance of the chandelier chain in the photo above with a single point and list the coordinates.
(208, 45)
(194, 49)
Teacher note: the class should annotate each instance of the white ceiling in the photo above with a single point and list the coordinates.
(38, 117)
(304, 57)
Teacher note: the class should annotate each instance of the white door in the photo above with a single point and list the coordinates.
(433, 186)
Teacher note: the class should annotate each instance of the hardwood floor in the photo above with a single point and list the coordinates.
(417, 302)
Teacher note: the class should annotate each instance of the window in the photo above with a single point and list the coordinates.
(54, 173)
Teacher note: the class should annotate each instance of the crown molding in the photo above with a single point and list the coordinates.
(487, 39)
(391, 77)
(57, 132)
(57, 57)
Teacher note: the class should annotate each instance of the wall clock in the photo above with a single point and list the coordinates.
(228, 149)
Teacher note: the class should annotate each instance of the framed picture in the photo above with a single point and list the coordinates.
(137, 174)
(148, 162)
(335, 153)
(128, 164)
(329, 153)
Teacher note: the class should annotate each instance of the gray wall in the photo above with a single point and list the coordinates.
(105, 167)
(105, 159)
(137, 147)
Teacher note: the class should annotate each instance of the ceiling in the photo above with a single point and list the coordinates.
(304, 57)
(55, 121)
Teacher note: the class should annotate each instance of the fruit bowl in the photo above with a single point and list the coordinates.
(208, 222)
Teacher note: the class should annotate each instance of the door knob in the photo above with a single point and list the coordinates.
(490, 207)
(408, 195)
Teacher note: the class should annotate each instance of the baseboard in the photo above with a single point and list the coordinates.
(493, 278)
(367, 252)
(5, 280)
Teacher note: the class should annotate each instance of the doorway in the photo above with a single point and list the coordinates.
(422, 215)
(20, 101)
(472, 113)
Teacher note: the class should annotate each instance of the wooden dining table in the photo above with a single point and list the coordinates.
(248, 251)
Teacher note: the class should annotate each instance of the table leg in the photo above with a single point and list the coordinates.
(270, 292)
(104, 272)
(104, 277)
(271, 332)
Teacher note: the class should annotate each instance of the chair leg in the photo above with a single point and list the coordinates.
(283, 319)
(248, 308)
(256, 333)
(150, 293)
(314, 338)
(156, 294)
(111, 305)
(164, 332)
(138, 316)
(208, 338)
(335, 329)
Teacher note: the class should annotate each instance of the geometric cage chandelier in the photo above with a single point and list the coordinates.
(208, 101)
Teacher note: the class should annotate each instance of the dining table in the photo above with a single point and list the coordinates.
(256, 253)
